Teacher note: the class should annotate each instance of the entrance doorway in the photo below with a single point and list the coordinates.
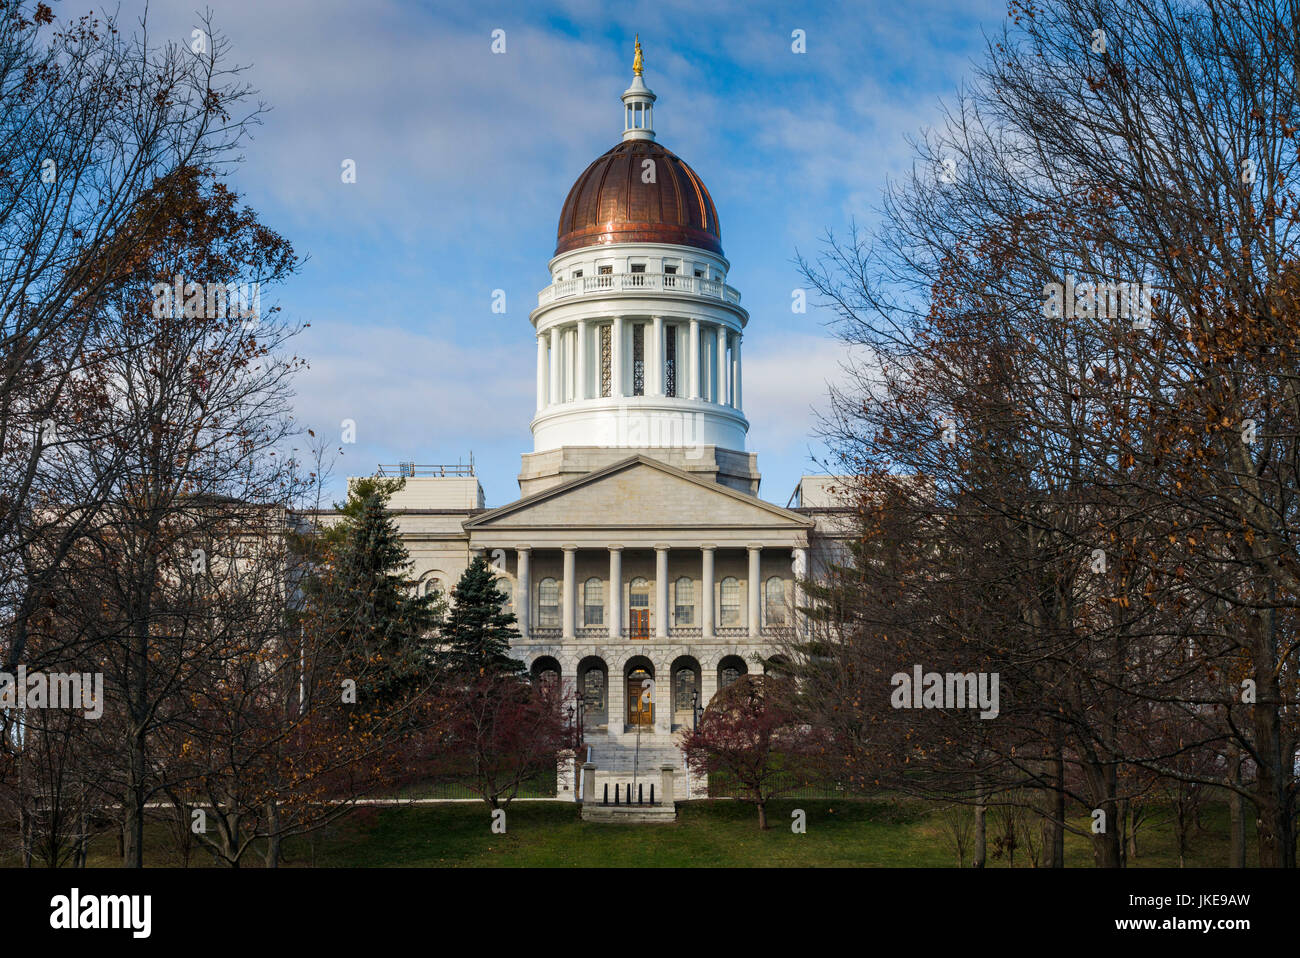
(640, 698)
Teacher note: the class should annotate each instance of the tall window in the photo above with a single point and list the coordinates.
(593, 602)
(774, 599)
(507, 588)
(684, 601)
(670, 362)
(605, 363)
(730, 605)
(683, 688)
(593, 690)
(638, 359)
(548, 604)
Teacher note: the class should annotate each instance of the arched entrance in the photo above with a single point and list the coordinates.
(686, 690)
(730, 668)
(593, 686)
(639, 676)
(545, 671)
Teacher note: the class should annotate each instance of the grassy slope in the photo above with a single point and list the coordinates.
(721, 834)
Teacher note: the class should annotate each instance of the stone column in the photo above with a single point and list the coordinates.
(721, 397)
(542, 388)
(616, 359)
(523, 590)
(800, 568)
(580, 373)
(693, 367)
(735, 373)
(655, 381)
(589, 783)
(570, 590)
(755, 591)
(666, 786)
(555, 365)
(617, 693)
(706, 593)
(661, 592)
(615, 604)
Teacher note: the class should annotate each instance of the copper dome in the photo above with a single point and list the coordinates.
(610, 202)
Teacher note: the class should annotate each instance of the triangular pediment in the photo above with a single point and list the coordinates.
(639, 491)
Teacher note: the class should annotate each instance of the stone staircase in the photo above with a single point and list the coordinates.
(614, 763)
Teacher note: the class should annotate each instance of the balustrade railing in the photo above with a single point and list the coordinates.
(639, 282)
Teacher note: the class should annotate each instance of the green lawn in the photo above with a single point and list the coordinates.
(879, 832)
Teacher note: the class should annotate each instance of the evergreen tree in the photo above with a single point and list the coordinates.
(365, 592)
(478, 631)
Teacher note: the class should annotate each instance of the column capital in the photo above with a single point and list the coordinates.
(569, 547)
(615, 547)
(524, 549)
(754, 546)
(707, 547)
(662, 547)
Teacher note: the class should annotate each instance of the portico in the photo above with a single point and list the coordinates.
(614, 599)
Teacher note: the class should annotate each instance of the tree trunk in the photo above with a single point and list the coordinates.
(981, 833)
(1273, 770)
(273, 840)
(762, 816)
(1236, 814)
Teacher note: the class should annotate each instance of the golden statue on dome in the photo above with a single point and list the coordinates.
(638, 64)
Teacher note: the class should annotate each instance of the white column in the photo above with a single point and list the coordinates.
(755, 591)
(661, 592)
(542, 391)
(800, 568)
(706, 593)
(693, 364)
(655, 381)
(615, 604)
(523, 590)
(735, 374)
(616, 359)
(580, 374)
(721, 397)
(570, 587)
(555, 365)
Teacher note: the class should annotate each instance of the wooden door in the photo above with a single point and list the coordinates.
(640, 623)
(643, 715)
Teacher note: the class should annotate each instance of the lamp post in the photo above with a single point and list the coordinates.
(582, 704)
(695, 709)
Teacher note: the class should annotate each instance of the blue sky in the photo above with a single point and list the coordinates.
(464, 158)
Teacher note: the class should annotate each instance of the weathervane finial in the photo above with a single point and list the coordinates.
(638, 63)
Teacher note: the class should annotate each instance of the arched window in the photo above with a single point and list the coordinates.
(548, 604)
(774, 599)
(731, 668)
(593, 602)
(638, 602)
(684, 601)
(433, 584)
(730, 605)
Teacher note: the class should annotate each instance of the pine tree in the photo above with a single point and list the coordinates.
(367, 595)
(478, 630)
